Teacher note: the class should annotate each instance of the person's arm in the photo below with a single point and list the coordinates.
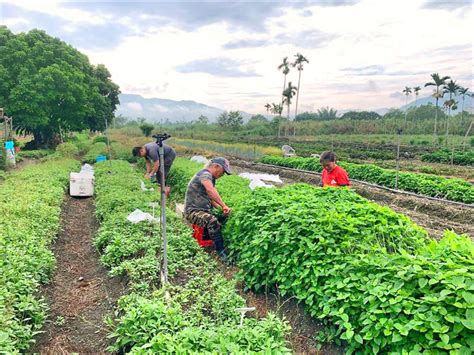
(148, 166)
(156, 166)
(216, 199)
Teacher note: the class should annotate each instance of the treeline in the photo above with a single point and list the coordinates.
(50, 88)
(420, 120)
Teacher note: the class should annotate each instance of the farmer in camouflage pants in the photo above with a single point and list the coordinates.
(202, 196)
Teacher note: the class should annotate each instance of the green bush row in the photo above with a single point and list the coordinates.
(201, 315)
(371, 275)
(429, 185)
(445, 156)
(31, 203)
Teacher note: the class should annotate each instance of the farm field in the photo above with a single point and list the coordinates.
(250, 246)
(131, 253)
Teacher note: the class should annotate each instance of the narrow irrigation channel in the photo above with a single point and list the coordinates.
(81, 293)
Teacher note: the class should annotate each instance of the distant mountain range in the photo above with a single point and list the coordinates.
(155, 110)
(429, 99)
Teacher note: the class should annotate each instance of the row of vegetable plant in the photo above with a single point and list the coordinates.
(448, 157)
(372, 275)
(429, 185)
(201, 315)
(31, 203)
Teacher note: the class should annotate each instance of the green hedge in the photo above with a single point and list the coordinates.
(201, 315)
(424, 184)
(31, 203)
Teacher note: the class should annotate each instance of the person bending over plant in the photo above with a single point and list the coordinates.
(152, 160)
(202, 197)
(333, 174)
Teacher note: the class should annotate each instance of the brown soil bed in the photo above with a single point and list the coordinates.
(81, 293)
(434, 216)
(304, 328)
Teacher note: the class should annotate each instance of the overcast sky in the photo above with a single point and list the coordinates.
(225, 54)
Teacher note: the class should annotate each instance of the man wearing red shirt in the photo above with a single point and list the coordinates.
(333, 175)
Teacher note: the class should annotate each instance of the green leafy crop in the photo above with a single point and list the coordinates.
(201, 315)
(429, 185)
(370, 274)
(31, 203)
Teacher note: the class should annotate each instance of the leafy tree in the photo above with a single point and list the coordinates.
(120, 121)
(235, 120)
(50, 88)
(362, 115)
(258, 118)
(307, 116)
(203, 120)
(299, 61)
(147, 128)
(223, 119)
(423, 112)
(232, 120)
(438, 81)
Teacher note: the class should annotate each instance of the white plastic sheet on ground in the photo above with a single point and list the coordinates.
(139, 216)
(200, 159)
(258, 180)
(143, 186)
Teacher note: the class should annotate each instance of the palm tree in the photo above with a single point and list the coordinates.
(463, 92)
(298, 64)
(268, 107)
(451, 88)
(416, 90)
(284, 67)
(407, 92)
(277, 109)
(288, 94)
(437, 94)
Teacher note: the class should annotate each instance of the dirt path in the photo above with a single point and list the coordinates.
(434, 216)
(81, 293)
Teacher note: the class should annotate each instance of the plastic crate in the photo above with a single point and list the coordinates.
(200, 234)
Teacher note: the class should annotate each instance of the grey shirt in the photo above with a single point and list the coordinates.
(197, 198)
(153, 154)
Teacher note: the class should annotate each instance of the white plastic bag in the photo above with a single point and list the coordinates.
(139, 216)
(200, 159)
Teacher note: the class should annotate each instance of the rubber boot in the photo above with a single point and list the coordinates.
(220, 250)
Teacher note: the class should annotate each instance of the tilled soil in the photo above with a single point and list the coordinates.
(434, 216)
(81, 293)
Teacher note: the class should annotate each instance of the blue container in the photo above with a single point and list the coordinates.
(9, 145)
(100, 158)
